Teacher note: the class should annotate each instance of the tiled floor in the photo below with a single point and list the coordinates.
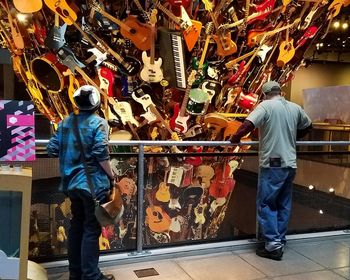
(310, 259)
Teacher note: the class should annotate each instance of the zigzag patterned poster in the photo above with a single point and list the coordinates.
(17, 138)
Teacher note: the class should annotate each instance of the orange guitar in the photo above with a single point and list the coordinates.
(63, 10)
(28, 7)
(287, 51)
(163, 193)
(191, 28)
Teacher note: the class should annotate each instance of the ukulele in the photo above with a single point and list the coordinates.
(225, 45)
(152, 72)
(179, 120)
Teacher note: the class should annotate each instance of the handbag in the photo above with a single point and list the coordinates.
(108, 213)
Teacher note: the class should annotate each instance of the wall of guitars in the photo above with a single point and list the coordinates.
(171, 69)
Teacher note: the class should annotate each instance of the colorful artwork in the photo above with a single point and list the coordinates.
(17, 138)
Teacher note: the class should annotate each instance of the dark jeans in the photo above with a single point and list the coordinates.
(84, 232)
(274, 204)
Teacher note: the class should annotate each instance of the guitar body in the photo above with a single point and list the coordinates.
(124, 111)
(254, 35)
(263, 10)
(231, 129)
(133, 68)
(138, 33)
(236, 77)
(194, 160)
(192, 33)
(177, 122)
(55, 39)
(179, 3)
(201, 73)
(151, 73)
(223, 184)
(225, 45)
(157, 220)
(62, 9)
(206, 173)
(106, 77)
(28, 7)
(176, 223)
(163, 194)
(199, 213)
(287, 51)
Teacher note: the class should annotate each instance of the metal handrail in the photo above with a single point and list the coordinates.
(141, 172)
(205, 143)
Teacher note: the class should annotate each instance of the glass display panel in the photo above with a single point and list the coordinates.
(10, 230)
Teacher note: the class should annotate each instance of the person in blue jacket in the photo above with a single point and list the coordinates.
(84, 231)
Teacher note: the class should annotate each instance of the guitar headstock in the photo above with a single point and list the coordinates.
(208, 5)
(153, 17)
(191, 77)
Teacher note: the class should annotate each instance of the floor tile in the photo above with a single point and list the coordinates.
(344, 241)
(168, 270)
(224, 267)
(344, 271)
(317, 275)
(292, 263)
(329, 254)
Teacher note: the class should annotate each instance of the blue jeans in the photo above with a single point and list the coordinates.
(83, 235)
(274, 203)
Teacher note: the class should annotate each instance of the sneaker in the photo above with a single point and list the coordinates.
(107, 277)
(274, 255)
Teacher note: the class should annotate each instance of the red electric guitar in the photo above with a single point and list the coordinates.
(180, 118)
(223, 184)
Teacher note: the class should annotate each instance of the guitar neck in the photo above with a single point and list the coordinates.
(204, 53)
(233, 62)
(185, 100)
(168, 13)
(113, 19)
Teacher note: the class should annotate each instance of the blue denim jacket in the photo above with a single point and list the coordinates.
(94, 136)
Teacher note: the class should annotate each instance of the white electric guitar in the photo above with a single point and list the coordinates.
(151, 71)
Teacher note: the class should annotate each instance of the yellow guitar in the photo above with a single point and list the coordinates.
(225, 46)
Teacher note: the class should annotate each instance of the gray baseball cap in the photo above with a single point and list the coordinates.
(271, 86)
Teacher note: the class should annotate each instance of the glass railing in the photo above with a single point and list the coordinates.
(186, 198)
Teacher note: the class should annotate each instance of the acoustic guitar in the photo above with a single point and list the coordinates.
(28, 7)
(130, 28)
(61, 8)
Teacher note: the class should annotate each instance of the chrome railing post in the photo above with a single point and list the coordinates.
(140, 198)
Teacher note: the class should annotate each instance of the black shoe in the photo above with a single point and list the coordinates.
(107, 277)
(274, 255)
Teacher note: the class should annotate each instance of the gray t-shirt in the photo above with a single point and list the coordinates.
(278, 121)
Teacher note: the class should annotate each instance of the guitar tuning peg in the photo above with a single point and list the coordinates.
(209, 28)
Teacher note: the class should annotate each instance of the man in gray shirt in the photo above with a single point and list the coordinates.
(280, 123)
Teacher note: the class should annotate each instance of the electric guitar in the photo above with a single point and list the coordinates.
(179, 120)
(55, 39)
(191, 28)
(152, 72)
(225, 45)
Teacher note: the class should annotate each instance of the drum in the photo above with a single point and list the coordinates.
(197, 102)
(48, 72)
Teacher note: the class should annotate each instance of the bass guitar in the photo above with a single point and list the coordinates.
(152, 72)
